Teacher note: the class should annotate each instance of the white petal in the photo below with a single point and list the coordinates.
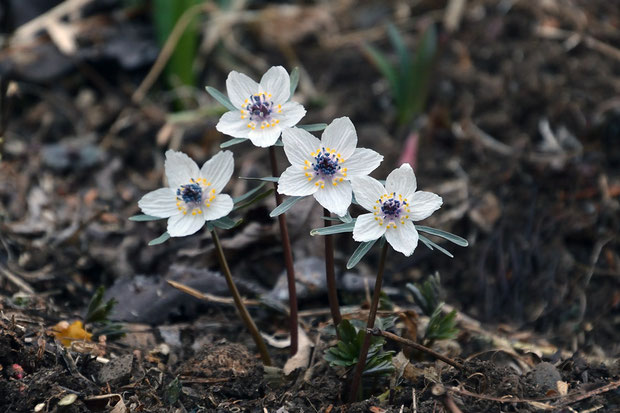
(402, 181)
(265, 137)
(292, 112)
(341, 136)
(240, 87)
(403, 238)
(335, 198)
(180, 168)
(181, 225)
(277, 83)
(293, 182)
(362, 162)
(232, 124)
(422, 204)
(367, 228)
(367, 191)
(218, 208)
(299, 145)
(159, 203)
(218, 170)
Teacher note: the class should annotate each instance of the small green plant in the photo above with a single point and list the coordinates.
(409, 76)
(428, 296)
(98, 315)
(166, 14)
(346, 352)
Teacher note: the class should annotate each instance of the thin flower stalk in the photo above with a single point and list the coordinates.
(361, 360)
(243, 311)
(330, 275)
(288, 259)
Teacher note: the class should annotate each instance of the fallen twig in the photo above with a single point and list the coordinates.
(413, 344)
(206, 296)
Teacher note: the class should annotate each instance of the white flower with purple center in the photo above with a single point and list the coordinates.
(263, 108)
(194, 195)
(393, 209)
(323, 168)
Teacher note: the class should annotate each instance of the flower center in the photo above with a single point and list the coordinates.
(327, 166)
(259, 108)
(391, 208)
(194, 196)
(190, 193)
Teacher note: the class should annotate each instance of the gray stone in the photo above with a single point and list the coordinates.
(117, 371)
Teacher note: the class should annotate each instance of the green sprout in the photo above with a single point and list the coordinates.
(98, 315)
(409, 77)
(346, 352)
(428, 296)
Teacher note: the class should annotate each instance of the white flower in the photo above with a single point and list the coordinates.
(393, 209)
(264, 111)
(323, 168)
(193, 196)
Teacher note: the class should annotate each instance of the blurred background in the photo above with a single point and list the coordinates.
(510, 110)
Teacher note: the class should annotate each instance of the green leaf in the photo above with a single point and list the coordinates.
(313, 127)
(160, 240)
(334, 229)
(294, 81)
(226, 223)
(461, 242)
(382, 65)
(359, 253)
(166, 14)
(142, 218)
(232, 142)
(346, 331)
(430, 244)
(221, 98)
(422, 70)
(253, 200)
(248, 194)
(285, 206)
(266, 178)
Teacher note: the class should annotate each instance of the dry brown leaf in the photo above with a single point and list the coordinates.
(301, 359)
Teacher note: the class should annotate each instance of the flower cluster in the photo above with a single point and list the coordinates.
(331, 169)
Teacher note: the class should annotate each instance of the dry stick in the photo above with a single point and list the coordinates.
(413, 344)
(243, 312)
(361, 360)
(288, 258)
(330, 274)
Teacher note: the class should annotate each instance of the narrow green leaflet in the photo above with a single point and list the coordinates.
(334, 229)
(253, 200)
(285, 206)
(313, 127)
(232, 142)
(160, 240)
(248, 194)
(265, 178)
(225, 223)
(461, 242)
(142, 218)
(359, 253)
(430, 244)
(294, 81)
(221, 98)
(383, 65)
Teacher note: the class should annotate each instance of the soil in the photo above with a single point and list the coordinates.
(519, 136)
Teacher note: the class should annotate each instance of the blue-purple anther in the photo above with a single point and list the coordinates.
(391, 208)
(259, 108)
(190, 193)
(325, 164)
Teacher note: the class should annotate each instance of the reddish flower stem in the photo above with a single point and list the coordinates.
(361, 363)
(330, 275)
(288, 258)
